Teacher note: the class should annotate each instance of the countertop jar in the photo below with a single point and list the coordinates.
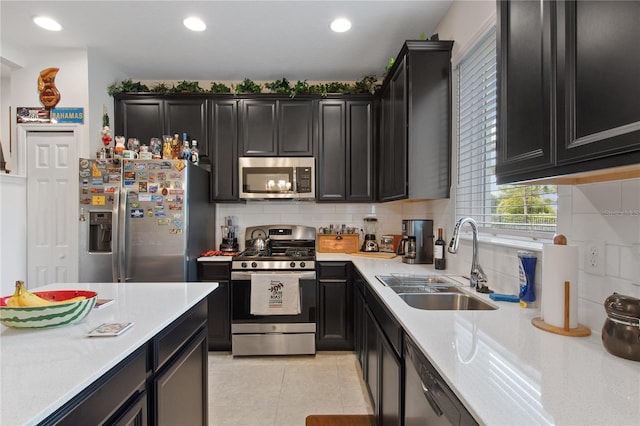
(621, 330)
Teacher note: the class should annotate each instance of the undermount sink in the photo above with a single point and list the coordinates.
(419, 283)
(433, 293)
(445, 302)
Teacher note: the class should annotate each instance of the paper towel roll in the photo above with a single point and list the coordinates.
(559, 264)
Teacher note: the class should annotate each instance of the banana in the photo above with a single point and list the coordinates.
(23, 297)
(13, 300)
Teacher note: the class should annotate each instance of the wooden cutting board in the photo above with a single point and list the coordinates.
(375, 254)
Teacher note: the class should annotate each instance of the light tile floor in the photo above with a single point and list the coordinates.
(284, 390)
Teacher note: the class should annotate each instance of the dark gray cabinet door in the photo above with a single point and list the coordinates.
(187, 115)
(359, 154)
(393, 144)
(372, 354)
(219, 304)
(335, 301)
(276, 127)
(295, 128)
(359, 321)
(223, 121)
(525, 116)
(141, 118)
(180, 390)
(335, 319)
(569, 84)
(345, 150)
(391, 374)
(332, 147)
(258, 130)
(429, 122)
(599, 79)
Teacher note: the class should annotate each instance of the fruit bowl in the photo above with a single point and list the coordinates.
(50, 315)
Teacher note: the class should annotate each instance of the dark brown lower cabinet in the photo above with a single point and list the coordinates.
(390, 385)
(335, 306)
(136, 415)
(219, 303)
(372, 359)
(164, 382)
(378, 347)
(180, 390)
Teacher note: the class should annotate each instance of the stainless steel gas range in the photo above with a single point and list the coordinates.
(280, 251)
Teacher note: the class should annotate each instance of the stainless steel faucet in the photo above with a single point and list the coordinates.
(477, 278)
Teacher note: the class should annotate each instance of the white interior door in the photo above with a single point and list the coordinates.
(52, 204)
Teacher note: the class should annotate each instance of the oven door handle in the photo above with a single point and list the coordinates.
(246, 275)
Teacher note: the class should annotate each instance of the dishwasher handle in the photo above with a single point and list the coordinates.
(432, 401)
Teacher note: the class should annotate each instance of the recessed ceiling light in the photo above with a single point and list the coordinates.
(341, 25)
(47, 23)
(194, 24)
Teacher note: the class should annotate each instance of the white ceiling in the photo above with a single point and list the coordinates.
(260, 40)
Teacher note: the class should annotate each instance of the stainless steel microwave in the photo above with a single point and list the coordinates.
(277, 177)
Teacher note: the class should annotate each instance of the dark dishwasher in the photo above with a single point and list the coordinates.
(428, 399)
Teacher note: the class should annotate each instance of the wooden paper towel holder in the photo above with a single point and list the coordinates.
(579, 331)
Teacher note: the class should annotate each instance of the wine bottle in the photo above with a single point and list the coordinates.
(438, 253)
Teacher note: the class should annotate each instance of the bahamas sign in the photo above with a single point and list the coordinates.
(67, 115)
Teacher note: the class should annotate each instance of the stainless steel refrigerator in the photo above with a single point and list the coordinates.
(143, 220)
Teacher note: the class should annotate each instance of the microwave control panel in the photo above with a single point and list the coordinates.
(303, 179)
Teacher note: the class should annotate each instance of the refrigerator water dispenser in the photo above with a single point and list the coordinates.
(100, 232)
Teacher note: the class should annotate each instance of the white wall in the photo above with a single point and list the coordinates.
(13, 229)
(102, 74)
(71, 81)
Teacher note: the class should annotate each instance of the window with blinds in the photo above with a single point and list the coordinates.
(499, 209)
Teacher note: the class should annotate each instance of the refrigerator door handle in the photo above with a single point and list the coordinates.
(115, 243)
(124, 199)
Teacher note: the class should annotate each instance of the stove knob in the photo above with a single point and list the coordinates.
(254, 265)
(243, 264)
(302, 264)
(292, 264)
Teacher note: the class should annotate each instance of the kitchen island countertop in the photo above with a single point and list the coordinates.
(42, 369)
(505, 370)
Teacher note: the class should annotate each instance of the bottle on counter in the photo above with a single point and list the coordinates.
(175, 147)
(185, 154)
(166, 147)
(195, 153)
(438, 252)
(526, 271)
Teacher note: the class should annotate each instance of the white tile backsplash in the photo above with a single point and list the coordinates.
(308, 213)
(608, 211)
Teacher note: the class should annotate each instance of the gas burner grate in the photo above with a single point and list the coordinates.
(298, 252)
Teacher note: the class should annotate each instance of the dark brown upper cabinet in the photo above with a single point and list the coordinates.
(568, 88)
(415, 123)
(276, 127)
(345, 150)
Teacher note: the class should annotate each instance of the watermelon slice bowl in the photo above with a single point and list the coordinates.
(55, 315)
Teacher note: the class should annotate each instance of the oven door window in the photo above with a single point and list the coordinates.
(267, 180)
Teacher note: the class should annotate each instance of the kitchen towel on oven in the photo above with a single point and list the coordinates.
(275, 294)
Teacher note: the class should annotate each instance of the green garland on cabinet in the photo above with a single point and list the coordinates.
(369, 84)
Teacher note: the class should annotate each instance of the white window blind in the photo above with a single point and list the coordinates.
(503, 209)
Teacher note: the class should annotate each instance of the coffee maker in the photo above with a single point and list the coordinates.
(417, 242)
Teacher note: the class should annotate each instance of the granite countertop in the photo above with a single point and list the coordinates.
(42, 369)
(505, 370)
